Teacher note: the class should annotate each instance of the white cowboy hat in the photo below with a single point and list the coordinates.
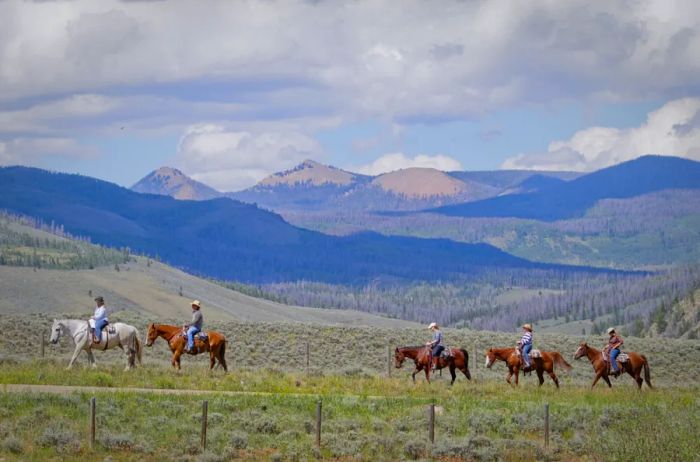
(432, 324)
(528, 327)
(611, 329)
(197, 303)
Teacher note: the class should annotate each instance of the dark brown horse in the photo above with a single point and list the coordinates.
(177, 340)
(541, 365)
(633, 366)
(421, 356)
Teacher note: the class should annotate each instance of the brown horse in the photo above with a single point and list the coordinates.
(421, 356)
(541, 365)
(633, 366)
(174, 335)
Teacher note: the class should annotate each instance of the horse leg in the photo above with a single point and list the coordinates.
(418, 369)
(517, 376)
(130, 357)
(509, 375)
(212, 359)
(597, 377)
(76, 352)
(540, 376)
(554, 378)
(452, 373)
(91, 357)
(175, 361)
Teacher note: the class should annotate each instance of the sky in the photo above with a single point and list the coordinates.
(232, 91)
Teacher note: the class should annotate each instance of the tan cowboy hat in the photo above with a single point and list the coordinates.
(432, 324)
(528, 327)
(197, 303)
(611, 330)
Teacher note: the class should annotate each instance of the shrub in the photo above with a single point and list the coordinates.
(266, 425)
(239, 440)
(12, 444)
(59, 438)
(415, 449)
(120, 441)
(211, 457)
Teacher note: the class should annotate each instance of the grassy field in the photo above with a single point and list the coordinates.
(367, 415)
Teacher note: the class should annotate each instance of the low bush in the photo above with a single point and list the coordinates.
(12, 445)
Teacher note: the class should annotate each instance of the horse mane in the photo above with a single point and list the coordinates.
(418, 347)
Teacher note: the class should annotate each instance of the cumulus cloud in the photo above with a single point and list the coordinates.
(229, 160)
(368, 58)
(398, 161)
(35, 151)
(673, 130)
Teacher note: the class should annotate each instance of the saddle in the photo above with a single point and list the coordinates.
(622, 358)
(107, 329)
(533, 353)
(446, 353)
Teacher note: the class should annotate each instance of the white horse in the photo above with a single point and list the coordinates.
(123, 336)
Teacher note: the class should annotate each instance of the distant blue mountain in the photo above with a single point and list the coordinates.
(570, 199)
(228, 239)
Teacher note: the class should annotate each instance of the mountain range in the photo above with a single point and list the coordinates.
(228, 239)
(314, 186)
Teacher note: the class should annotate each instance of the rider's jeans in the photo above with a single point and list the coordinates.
(190, 336)
(99, 325)
(526, 353)
(613, 358)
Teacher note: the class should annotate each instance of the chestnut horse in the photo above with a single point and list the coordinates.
(633, 366)
(177, 340)
(544, 364)
(420, 355)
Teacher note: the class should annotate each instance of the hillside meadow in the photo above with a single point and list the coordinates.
(367, 415)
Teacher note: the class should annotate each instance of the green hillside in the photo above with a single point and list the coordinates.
(23, 242)
(139, 285)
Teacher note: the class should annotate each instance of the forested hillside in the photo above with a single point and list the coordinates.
(27, 242)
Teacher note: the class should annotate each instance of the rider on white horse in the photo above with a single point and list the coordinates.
(99, 318)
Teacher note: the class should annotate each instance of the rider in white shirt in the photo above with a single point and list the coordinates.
(100, 318)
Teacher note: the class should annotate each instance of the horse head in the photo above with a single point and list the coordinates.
(581, 351)
(490, 358)
(399, 358)
(56, 331)
(152, 334)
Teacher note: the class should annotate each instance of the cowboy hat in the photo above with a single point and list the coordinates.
(528, 327)
(611, 330)
(100, 299)
(432, 324)
(197, 303)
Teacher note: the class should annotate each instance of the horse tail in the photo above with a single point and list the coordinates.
(466, 363)
(560, 361)
(138, 349)
(647, 372)
(222, 354)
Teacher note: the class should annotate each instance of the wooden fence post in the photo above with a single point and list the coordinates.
(318, 424)
(546, 425)
(92, 422)
(431, 423)
(203, 436)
